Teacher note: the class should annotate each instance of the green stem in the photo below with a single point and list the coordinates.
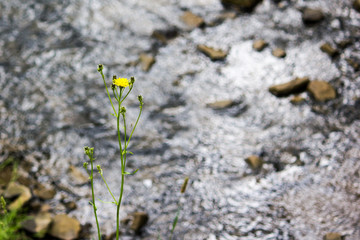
(93, 196)
(137, 120)
(108, 188)
(103, 77)
(118, 206)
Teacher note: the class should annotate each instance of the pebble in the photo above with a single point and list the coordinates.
(221, 104)
(254, 162)
(65, 227)
(77, 177)
(22, 192)
(295, 86)
(192, 20)
(38, 223)
(297, 99)
(329, 50)
(146, 61)
(321, 90)
(259, 45)
(311, 16)
(139, 220)
(213, 54)
(279, 52)
(333, 236)
(44, 192)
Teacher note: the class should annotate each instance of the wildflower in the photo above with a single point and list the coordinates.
(100, 67)
(121, 82)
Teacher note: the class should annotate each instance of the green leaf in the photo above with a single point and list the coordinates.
(128, 173)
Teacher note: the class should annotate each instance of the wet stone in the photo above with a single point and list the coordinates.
(333, 236)
(321, 90)
(139, 220)
(146, 61)
(295, 86)
(254, 162)
(38, 223)
(77, 177)
(259, 45)
(329, 50)
(44, 192)
(312, 16)
(22, 193)
(242, 5)
(192, 20)
(65, 227)
(279, 53)
(213, 54)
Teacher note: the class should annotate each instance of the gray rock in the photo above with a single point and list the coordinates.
(329, 50)
(311, 16)
(213, 54)
(65, 227)
(259, 45)
(242, 5)
(295, 86)
(321, 90)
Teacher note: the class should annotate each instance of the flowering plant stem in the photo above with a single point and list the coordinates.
(118, 87)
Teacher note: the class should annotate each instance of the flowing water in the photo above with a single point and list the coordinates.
(53, 102)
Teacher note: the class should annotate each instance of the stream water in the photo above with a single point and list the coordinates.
(53, 102)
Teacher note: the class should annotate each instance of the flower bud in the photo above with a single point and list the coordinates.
(99, 169)
(123, 110)
(100, 67)
(140, 98)
(183, 187)
(85, 165)
(113, 86)
(132, 80)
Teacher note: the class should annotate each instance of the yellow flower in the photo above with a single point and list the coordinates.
(121, 82)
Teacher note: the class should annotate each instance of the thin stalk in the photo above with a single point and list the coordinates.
(108, 188)
(118, 206)
(103, 77)
(125, 145)
(93, 197)
(137, 120)
(122, 172)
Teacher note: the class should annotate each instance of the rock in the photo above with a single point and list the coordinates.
(146, 61)
(242, 5)
(297, 99)
(70, 205)
(77, 177)
(333, 236)
(165, 35)
(354, 63)
(65, 227)
(15, 189)
(344, 43)
(356, 5)
(139, 220)
(321, 90)
(311, 16)
(295, 86)
(221, 104)
(259, 45)
(213, 54)
(5, 175)
(192, 20)
(279, 52)
(37, 224)
(327, 48)
(44, 192)
(254, 162)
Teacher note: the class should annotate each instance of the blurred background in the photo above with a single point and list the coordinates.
(261, 164)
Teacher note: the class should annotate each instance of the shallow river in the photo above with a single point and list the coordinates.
(53, 102)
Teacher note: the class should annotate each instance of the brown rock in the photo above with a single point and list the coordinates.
(146, 61)
(15, 189)
(254, 162)
(321, 90)
(140, 219)
(192, 20)
(259, 45)
(165, 35)
(297, 99)
(221, 104)
(44, 192)
(356, 5)
(311, 16)
(77, 177)
(327, 48)
(333, 236)
(279, 52)
(70, 205)
(37, 224)
(295, 86)
(5, 175)
(212, 53)
(65, 227)
(243, 5)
